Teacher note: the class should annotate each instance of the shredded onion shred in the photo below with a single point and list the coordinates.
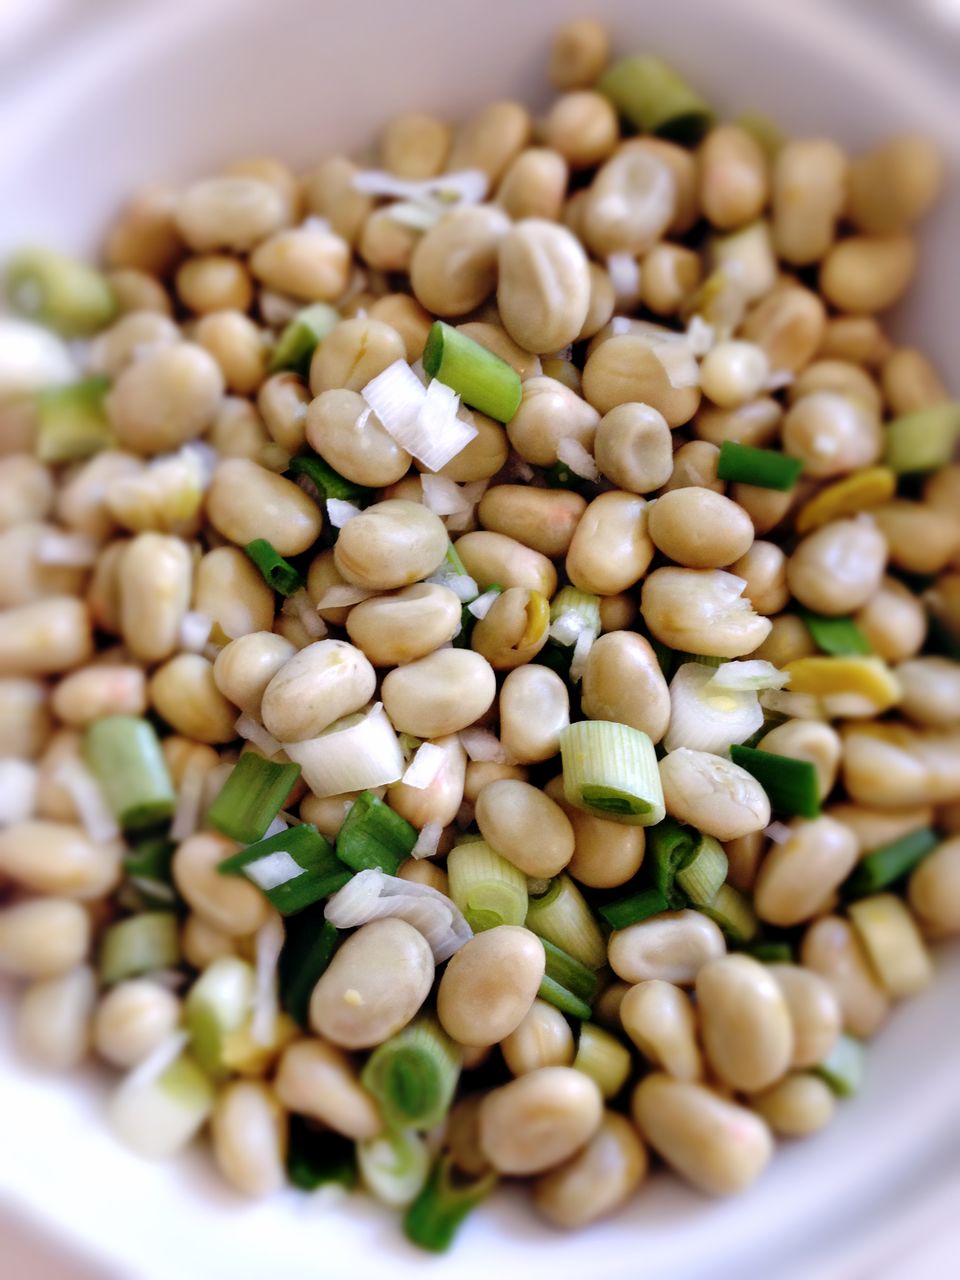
(422, 420)
(424, 766)
(373, 895)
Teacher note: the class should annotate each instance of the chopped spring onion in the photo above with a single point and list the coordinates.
(670, 847)
(843, 1068)
(791, 785)
(156, 1115)
(754, 674)
(568, 972)
(637, 907)
(268, 943)
(253, 731)
(422, 421)
(195, 629)
(125, 757)
(562, 916)
(356, 753)
(307, 951)
(413, 1075)
(572, 454)
(66, 295)
(435, 1216)
(339, 512)
(480, 607)
(734, 913)
(329, 483)
(425, 765)
(482, 379)
(837, 636)
(278, 574)
(924, 440)
(764, 130)
(705, 717)
(293, 869)
(771, 952)
(563, 999)
(571, 613)
(298, 605)
(373, 895)
(72, 421)
(166, 494)
(88, 799)
(655, 99)
(890, 863)
(762, 467)
(298, 341)
(893, 944)
(610, 770)
(252, 797)
(373, 835)
(702, 875)
(148, 865)
(604, 1058)
(218, 1003)
(31, 358)
(443, 497)
(140, 944)
(428, 841)
(317, 1156)
(394, 1167)
(488, 889)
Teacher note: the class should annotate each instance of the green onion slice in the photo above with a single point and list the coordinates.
(924, 440)
(328, 482)
(481, 379)
(278, 574)
(308, 948)
(604, 1058)
(561, 998)
(124, 755)
(790, 784)
(655, 99)
(143, 943)
(413, 1075)
(610, 770)
(300, 338)
(373, 835)
(435, 1216)
(837, 636)
(771, 952)
(567, 971)
(734, 913)
(670, 846)
(252, 797)
(890, 863)
(72, 422)
(316, 1156)
(763, 467)
(562, 916)
(488, 889)
(701, 876)
(66, 295)
(293, 869)
(843, 1068)
(637, 907)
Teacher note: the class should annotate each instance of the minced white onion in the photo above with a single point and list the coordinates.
(84, 791)
(581, 652)
(461, 584)
(301, 607)
(394, 1167)
(343, 596)
(483, 604)
(471, 492)
(575, 456)
(752, 674)
(155, 889)
(678, 361)
(415, 214)
(313, 222)
(425, 765)
(266, 1003)
(31, 358)
(624, 272)
(339, 511)
(373, 895)
(704, 718)
(468, 186)
(481, 744)
(195, 631)
(254, 732)
(357, 753)
(18, 791)
(72, 550)
(444, 497)
(700, 335)
(186, 817)
(428, 841)
(778, 832)
(422, 421)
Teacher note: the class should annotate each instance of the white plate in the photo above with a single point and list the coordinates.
(169, 91)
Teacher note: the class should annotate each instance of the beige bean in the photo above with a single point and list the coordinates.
(53, 1020)
(238, 431)
(543, 519)
(405, 315)
(578, 54)
(423, 871)
(26, 490)
(717, 1145)
(743, 859)
(483, 456)
(534, 710)
(212, 282)
(145, 235)
(732, 373)
(799, 876)
(893, 185)
(26, 577)
(839, 566)
(83, 503)
(132, 1019)
(349, 436)
(319, 1080)
(514, 629)
(439, 694)
(764, 569)
(248, 1128)
(583, 127)
(125, 341)
(110, 689)
(856, 338)
(788, 324)
(59, 859)
(617, 613)
(229, 213)
(841, 377)
(606, 854)
(893, 620)
(526, 827)
(231, 592)
(788, 639)
(814, 1012)
(549, 413)
(633, 447)
(864, 274)
(713, 794)
(54, 800)
(534, 185)
(330, 193)
(611, 548)
(893, 766)
(744, 1021)
(306, 262)
(695, 463)
(415, 145)
(930, 690)
(830, 948)
(228, 903)
(701, 611)
(184, 693)
(683, 166)
(544, 285)
(170, 395)
(440, 801)
(810, 740)
(921, 539)
(391, 544)
(45, 637)
(660, 1020)
(322, 683)
(481, 772)
(603, 301)
(322, 575)
(596, 1181)
(808, 194)
(237, 345)
(699, 528)
(405, 626)
(136, 291)
(910, 383)
(765, 507)
(733, 177)
(374, 985)
(539, 1119)
(631, 202)
(796, 1106)
(893, 944)
(42, 937)
(671, 946)
(327, 813)
(490, 984)
(622, 681)
(454, 267)
(201, 942)
(876, 827)
(492, 558)
(542, 1039)
(756, 422)
(669, 274)
(282, 401)
(491, 139)
(243, 668)
(246, 501)
(631, 367)
(933, 890)
(354, 353)
(832, 433)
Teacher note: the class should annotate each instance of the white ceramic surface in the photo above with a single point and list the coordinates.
(171, 90)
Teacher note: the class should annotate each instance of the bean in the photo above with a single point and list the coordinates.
(622, 681)
(603, 301)
(454, 267)
(534, 185)
(856, 338)
(213, 282)
(491, 139)
(330, 193)
(893, 945)
(831, 949)
(374, 985)
(237, 345)
(543, 519)
(249, 1132)
(695, 463)
(810, 740)
(808, 194)
(683, 166)
(84, 502)
(839, 566)
(632, 367)
(136, 291)
(526, 827)
(617, 613)
(423, 871)
(304, 262)
(415, 145)
(184, 693)
(796, 1106)
(491, 558)
(145, 235)
(26, 578)
(490, 984)
(921, 539)
(597, 1180)
(660, 1020)
(798, 877)
(282, 401)
(578, 54)
(45, 637)
(717, 1145)
(246, 501)
(713, 794)
(534, 710)
(841, 377)
(229, 213)
(320, 1081)
(353, 353)
(765, 507)
(832, 433)
(876, 827)
(746, 260)
(611, 548)
(699, 528)
(542, 1039)
(864, 274)
(544, 285)
(788, 324)
(59, 859)
(327, 813)
(238, 431)
(930, 690)
(910, 383)
(893, 185)
(606, 854)
(764, 569)
(732, 373)
(106, 690)
(743, 859)
(583, 127)
(482, 772)
(671, 946)
(406, 316)
(745, 1022)
(733, 177)
(514, 629)
(440, 801)
(53, 800)
(669, 274)
(893, 766)
(170, 395)
(814, 1012)
(391, 544)
(633, 447)
(483, 457)
(549, 413)
(701, 611)
(228, 903)
(352, 439)
(893, 620)
(42, 937)
(53, 1020)
(116, 348)
(933, 890)
(201, 942)
(26, 490)
(439, 694)
(231, 592)
(322, 683)
(132, 1019)
(631, 202)
(405, 626)
(539, 1119)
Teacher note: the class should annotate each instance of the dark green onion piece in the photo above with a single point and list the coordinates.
(560, 476)
(669, 847)
(568, 972)
(837, 636)
(252, 797)
(734, 913)
(556, 994)
(887, 865)
(279, 574)
(317, 1156)
(72, 422)
(481, 379)
(655, 99)
(791, 785)
(150, 860)
(140, 944)
(843, 1068)
(702, 874)
(373, 835)
(321, 872)
(435, 1216)
(639, 906)
(328, 482)
(308, 948)
(763, 467)
(924, 440)
(125, 757)
(299, 339)
(66, 295)
(770, 952)
(413, 1075)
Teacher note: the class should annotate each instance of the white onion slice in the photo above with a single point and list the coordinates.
(254, 732)
(778, 832)
(754, 673)
(72, 550)
(799, 706)
(700, 335)
(575, 456)
(425, 765)
(373, 895)
(581, 652)
(428, 841)
(339, 512)
(444, 497)
(481, 744)
(266, 1002)
(703, 718)
(462, 586)
(624, 272)
(678, 361)
(422, 421)
(483, 604)
(195, 631)
(31, 358)
(186, 818)
(301, 607)
(18, 791)
(620, 325)
(357, 753)
(468, 186)
(84, 790)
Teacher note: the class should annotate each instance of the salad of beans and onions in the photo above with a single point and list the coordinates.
(480, 650)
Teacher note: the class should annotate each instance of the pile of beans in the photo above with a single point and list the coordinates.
(594, 267)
